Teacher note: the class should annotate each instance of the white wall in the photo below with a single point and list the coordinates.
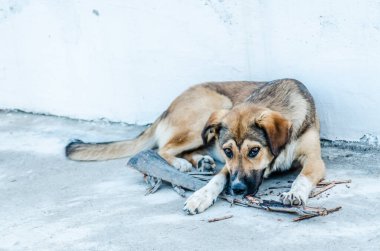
(126, 60)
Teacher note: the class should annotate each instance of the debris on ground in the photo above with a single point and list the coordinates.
(156, 170)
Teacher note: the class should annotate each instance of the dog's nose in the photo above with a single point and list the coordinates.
(238, 188)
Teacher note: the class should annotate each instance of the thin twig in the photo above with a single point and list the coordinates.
(269, 205)
(279, 187)
(179, 190)
(320, 184)
(304, 217)
(315, 193)
(200, 173)
(325, 183)
(154, 186)
(322, 213)
(332, 210)
(202, 177)
(220, 218)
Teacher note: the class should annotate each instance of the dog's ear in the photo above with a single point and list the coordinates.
(277, 130)
(211, 129)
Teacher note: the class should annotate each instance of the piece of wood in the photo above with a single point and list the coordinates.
(220, 218)
(320, 184)
(154, 188)
(200, 173)
(150, 163)
(203, 177)
(181, 192)
(325, 182)
(322, 213)
(270, 205)
(323, 189)
(279, 187)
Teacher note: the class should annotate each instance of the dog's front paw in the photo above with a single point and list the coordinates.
(299, 193)
(198, 202)
(182, 165)
(206, 163)
(293, 198)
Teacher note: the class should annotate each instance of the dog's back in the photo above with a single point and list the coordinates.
(290, 98)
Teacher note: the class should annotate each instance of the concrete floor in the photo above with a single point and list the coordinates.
(50, 203)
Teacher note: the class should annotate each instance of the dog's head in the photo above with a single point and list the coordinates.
(250, 137)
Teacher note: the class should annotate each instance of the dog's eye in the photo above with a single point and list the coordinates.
(253, 152)
(228, 153)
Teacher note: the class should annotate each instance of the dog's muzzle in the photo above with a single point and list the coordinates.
(248, 185)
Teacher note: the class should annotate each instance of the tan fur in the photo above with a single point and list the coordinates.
(78, 150)
(277, 129)
(308, 150)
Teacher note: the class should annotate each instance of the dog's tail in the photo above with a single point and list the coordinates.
(78, 150)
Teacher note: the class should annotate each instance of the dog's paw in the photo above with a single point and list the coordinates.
(293, 198)
(198, 202)
(206, 163)
(182, 165)
(299, 193)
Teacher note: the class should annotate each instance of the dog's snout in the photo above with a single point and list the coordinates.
(239, 188)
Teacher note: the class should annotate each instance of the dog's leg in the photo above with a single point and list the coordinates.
(169, 154)
(177, 145)
(313, 170)
(202, 199)
(201, 160)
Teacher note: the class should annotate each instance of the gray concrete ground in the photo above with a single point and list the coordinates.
(50, 203)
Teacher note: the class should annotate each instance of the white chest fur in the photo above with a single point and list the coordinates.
(284, 161)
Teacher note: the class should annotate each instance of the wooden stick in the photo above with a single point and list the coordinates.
(304, 217)
(200, 173)
(272, 205)
(279, 187)
(152, 164)
(320, 184)
(220, 218)
(323, 213)
(202, 177)
(179, 190)
(154, 185)
(325, 183)
(313, 194)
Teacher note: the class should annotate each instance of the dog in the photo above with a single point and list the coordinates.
(274, 128)
(255, 128)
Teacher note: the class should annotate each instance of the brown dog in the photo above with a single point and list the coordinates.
(255, 128)
(275, 127)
